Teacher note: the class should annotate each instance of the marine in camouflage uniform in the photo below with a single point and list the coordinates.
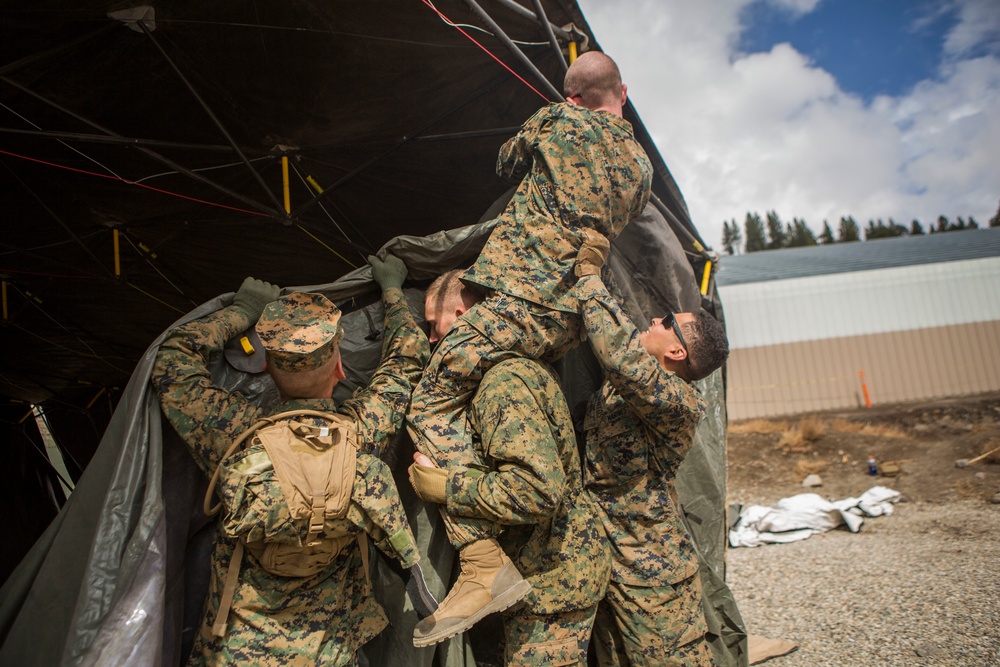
(639, 426)
(532, 488)
(326, 617)
(578, 169)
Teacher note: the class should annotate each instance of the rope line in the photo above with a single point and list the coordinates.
(128, 182)
(485, 50)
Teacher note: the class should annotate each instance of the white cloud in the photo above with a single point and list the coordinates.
(773, 131)
(978, 28)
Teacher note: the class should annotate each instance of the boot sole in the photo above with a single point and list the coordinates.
(506, 599)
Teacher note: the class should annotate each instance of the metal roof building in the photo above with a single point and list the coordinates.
(904, 319)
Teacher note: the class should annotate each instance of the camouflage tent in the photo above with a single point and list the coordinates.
(152, 157)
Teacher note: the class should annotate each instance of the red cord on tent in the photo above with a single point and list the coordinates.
(485, 50)
(127, 182)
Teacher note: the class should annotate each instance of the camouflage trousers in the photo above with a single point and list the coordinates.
(499, 327)
(540, 640)
(661, 626)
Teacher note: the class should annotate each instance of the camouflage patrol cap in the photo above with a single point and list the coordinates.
(300, 331)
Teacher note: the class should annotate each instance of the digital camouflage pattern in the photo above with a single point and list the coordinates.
(652, 625)
(544, 640)
(300, 331)
(577, 169)
(532, 487)
(497, 328)
(639, 426)
(324, 618)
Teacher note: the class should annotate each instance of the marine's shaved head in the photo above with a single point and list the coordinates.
(593, 81)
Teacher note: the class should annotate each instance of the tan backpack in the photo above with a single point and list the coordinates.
(281, 492)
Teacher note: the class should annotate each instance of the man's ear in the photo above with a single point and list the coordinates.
(675, 352)
(338, 370)
(624, 94)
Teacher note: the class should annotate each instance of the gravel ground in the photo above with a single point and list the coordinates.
(919, 587)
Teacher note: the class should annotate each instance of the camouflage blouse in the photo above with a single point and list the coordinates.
(532, 486)
(639, 427)
(577, 169)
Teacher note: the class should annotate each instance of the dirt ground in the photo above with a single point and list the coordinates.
(768, 459)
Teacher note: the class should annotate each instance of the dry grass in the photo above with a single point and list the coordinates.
(864, 428)
(759, 426)
(971, 488)
(804, 468)
(798, 437)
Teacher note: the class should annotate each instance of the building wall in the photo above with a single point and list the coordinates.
(916, 333)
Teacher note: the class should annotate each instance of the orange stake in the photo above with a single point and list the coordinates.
(864, 389)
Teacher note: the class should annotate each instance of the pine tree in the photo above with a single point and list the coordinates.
(896, 230)
(972, 224)
(826, 237)
(942, 224)
(799, 234)
(727, 238)
(848, 230)
(753, 232)
(995, 220)
(737, 237)
(775, 232)
(916, 229)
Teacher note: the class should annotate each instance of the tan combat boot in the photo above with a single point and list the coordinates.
(488, 582)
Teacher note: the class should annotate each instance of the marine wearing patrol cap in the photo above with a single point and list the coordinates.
(300, 331)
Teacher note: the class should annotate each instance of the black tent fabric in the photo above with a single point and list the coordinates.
(143, 152)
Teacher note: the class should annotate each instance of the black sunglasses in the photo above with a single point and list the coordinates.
(669, 320)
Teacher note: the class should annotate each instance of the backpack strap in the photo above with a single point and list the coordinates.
(228, 591)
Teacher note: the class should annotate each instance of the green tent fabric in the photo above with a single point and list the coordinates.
(115, 578)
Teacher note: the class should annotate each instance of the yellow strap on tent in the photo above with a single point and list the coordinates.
(572, 52)
(284, 183)
(118, 264)
(315, 186)
(705, 276)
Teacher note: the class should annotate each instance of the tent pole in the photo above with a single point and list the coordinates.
(676, 224)
(515, 51)
(128, 141)
(153, 154)
(540, 11)
(526, 13)
(218, 123)
(28, 60)
(55, 217)
(399, 142)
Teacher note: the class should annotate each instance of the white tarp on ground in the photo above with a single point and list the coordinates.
(804, 515)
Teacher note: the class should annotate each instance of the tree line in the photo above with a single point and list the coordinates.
(770, 233)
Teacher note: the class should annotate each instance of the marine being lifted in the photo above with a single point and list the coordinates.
(580, 170)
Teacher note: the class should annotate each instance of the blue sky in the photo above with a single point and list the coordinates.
(816, 109)
(871, 47)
